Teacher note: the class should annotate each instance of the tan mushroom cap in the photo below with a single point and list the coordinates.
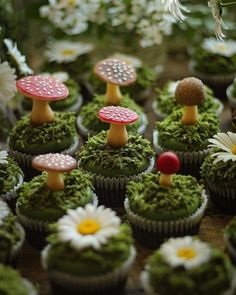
(115, 71)
(54, 162)
(190, 91)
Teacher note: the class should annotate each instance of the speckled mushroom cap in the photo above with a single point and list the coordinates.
(115, 71)
(42, 88)
(117, 115)
(54, 162)
(190, 91)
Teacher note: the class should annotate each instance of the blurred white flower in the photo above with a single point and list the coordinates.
(172, 85)
(18, 58)
(176, 9)
(132, 60)
(59, 76)
(225, 48)
(7, 82)
(3, 157)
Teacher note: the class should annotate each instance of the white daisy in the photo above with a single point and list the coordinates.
(225, 48)
(64, 51)
(4, 211)
(7, 82)
(88, 227)
(225, 142)
(132, 60)
(59, 76)
(19, 59)
(3, 157)
(176, 9)
(186, 252)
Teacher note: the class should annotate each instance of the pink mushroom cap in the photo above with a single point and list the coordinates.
(168, 163)
(117, 115)
(42, 88)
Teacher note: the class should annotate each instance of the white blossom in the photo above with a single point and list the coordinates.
(7, 82)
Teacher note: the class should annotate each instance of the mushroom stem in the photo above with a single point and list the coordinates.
(41, 112)
(190, 115)
(55, 181)
(113, 94)
(165, 179)
(117, 135)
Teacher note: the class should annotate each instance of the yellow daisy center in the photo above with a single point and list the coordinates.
(68, 52)
(186, 253)
(72, 2)
(88, 227)
(222, 47)
(233, 149)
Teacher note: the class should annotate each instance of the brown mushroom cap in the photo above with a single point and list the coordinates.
(115, 71)
(190, 91)
(54, 162)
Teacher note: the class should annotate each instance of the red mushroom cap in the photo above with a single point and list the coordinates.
(117, 115)
(168, 163)
(42, 88)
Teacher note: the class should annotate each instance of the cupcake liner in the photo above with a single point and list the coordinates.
(190, 161)
(231, 98)
(152, 233)
(85, 132)
(230, 249)
(222, 197)
(111, 190)
(89, 284)
(31, 289)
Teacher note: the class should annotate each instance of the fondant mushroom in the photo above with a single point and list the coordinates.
(115, 72)
(42, 90)
(118, 117)
(190, 92)
(167, 163)
(55, 165)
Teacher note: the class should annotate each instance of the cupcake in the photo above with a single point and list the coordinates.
(89, 252)
(219, 172)
(231, 94)
(11, 236)
(11, 179)
(214, 61)
(115, 73)
(114, 157)
(43, 131)
(163, 205)
(230, 239)
(185, 131)
(11, 283)
(165, 103)
(188, 266)
(71, 104)
(48, 196)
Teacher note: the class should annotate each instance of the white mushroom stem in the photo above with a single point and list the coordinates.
(165, 179)
(117, 135)
(113, 94)
(55, 181)
(41, 112)
(190, 115)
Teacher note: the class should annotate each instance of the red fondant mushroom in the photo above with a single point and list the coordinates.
(115, 72)
(118, 117)
(167, 163)
(55, 165)
(42, 90)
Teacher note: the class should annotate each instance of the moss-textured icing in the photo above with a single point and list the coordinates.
(230, 231)
(97, 156)
(37, 201)
(174, 135)
(167, 103)
(212, 277)
(164, 203)
(9, 176)
(45, 138)
(90, 118)
(11, 283)
(89, 262)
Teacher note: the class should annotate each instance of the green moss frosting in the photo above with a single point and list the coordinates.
(91, 121)
(162, 203)
(9, 236)
(212, 277)
(230, 231)
(9, 176)
(59, 105)
(174, 135)
(11, 282)
(89, 262)
(167, 103)
(97, 156)
(220, 172)
(45, 138)
(37, 201)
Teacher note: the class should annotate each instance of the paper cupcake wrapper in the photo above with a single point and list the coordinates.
(25, 160)
(31, 289)
(231, 98)
(85, 132)
(230, 248)
(15, 251)
(89, 283)
(13, 193)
